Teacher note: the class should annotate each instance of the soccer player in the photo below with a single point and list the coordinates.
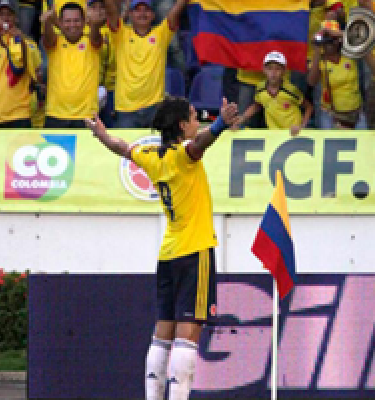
(186, 288)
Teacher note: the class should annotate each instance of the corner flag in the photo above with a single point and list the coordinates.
(273, 243)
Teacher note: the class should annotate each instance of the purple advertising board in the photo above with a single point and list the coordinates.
(89, 334)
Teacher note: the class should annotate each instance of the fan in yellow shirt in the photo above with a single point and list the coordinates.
(19, 59)
(186, 288)
(73, 66)
(341, 100)
(141, 54)
(280, 99)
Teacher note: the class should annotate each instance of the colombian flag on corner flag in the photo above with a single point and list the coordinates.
(239, 33)
(273, 243)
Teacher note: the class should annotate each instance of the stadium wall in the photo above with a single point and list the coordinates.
(77, 243)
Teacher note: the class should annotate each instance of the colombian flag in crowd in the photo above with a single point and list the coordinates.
(273, 243)
(239, 33)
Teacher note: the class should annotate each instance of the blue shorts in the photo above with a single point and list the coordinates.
(186, 288)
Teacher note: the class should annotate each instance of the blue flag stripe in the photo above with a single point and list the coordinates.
(254, 26)
(274, 227)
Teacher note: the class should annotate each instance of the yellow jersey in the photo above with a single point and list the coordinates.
(344, 83)
(282, 110)
(184, 191)
(15, 100)
(73, 79)
(141, 62)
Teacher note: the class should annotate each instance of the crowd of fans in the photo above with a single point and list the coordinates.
(64, 61)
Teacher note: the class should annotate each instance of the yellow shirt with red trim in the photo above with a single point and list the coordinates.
(185, 194)
(282, 110)
(344, 83)
(73, 79)
(15, 100)
(141, 62)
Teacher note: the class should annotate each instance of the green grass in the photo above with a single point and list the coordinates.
(13, 360)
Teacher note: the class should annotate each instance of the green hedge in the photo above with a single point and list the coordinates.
(13, 311)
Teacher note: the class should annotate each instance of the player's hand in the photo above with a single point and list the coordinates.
(95, 125)
(294, 130)
(228, 111)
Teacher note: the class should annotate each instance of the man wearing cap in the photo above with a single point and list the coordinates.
(280, 99)
(141, 52)
(18, 67)
(73, 66)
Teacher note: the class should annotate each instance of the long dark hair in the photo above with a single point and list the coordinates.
(170, 112)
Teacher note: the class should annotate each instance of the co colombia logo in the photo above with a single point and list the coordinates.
(39, 167)
(135, 179)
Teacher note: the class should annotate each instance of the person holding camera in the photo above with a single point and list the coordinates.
(341, 100)
(19, 60)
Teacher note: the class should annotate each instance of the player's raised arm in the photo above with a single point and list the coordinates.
(116, 145)
(208, 135)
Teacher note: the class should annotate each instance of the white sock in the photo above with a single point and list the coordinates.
(182, 369)
(156, 368)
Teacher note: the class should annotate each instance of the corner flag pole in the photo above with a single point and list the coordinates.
(273, 246)
(275, 320)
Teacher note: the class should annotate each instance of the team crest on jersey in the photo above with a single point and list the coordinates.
(347, 65)
(82, 46)
(152, 40)
(286, 106)
(135, 179)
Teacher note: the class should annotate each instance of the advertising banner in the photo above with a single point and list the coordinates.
(325, 172)
(88, 337)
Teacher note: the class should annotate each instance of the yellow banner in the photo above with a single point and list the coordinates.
(324, 172)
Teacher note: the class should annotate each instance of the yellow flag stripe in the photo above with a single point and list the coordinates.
(243, 6)
(278, 201)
